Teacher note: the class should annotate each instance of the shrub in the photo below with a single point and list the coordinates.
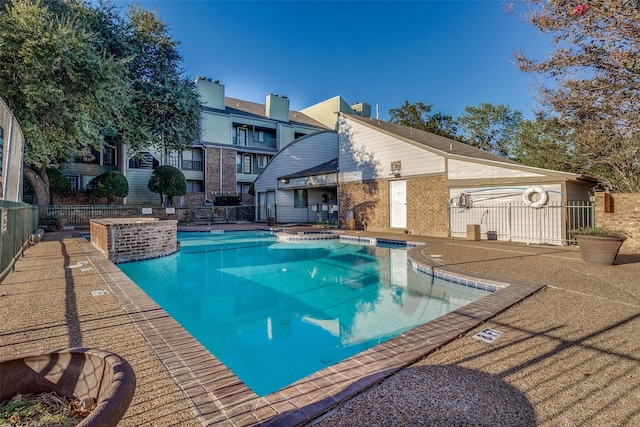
(167, 180)
(58, 183)
(110, 185)
(601, 231)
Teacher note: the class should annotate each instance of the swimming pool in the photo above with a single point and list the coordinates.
(276, 312)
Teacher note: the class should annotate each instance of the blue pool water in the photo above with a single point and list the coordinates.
(276, 312)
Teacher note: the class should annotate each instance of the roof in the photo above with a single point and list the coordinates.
(254, 109)
(329, 167)
(431, 140)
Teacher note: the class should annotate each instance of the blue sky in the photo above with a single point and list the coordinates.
(451, 54)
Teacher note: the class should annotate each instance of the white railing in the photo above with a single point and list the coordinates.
(518, 222)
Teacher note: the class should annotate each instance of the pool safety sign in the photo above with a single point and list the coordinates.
(488, 335)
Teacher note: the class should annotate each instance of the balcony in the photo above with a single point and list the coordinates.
(191, 165)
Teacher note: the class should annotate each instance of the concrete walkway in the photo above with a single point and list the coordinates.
(568, 355)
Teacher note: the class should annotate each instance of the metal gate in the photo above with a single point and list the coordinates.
(518, 222)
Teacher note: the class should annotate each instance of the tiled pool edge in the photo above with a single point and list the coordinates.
(220, 397)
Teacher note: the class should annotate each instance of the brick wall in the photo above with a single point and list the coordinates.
(369, 202)
(427, 199)
(134, 239)
(620, 211)
(212, 168)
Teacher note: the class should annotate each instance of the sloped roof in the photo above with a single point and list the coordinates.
(329, 167)
(431, 140)
(254, 109)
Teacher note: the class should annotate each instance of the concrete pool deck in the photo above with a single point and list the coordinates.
(569, 354)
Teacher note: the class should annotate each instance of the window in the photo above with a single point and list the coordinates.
(262, 161)
(194, 186)
(242, 187)
(246, 163)
(300, 198)
(192, 160)
(109, 156)
(75, 182)
(241, 136)
(258, 136)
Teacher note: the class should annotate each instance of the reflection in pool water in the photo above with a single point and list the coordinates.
(276, 312)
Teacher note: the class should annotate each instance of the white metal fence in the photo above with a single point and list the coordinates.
(518, 222)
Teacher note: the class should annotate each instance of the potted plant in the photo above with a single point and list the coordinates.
(52, 221)
(599, 245)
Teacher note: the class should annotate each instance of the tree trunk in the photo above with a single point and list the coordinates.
(39, 180)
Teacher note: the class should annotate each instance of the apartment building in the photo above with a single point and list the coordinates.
(237, 141)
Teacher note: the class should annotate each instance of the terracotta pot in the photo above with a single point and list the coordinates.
(601, 250)
(76, 373)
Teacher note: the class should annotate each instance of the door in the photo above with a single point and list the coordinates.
(398, 202)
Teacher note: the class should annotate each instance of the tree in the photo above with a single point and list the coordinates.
(164, 101)
(110, 185)
(489, 127)
(417, 116)
(540, 143)
(167, 180)
(596, 73)
(61, 89)
(74, 74)
(58, 183)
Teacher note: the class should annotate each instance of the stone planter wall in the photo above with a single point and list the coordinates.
(134, 239)
(620, 211)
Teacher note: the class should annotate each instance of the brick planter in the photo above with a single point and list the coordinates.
(134, 239)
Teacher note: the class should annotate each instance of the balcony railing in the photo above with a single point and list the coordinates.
(192, 165)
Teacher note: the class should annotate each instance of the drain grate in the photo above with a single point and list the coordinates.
(488, 335)
(99, 293)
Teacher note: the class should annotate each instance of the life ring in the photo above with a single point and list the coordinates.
(464, 201)
(543, 197)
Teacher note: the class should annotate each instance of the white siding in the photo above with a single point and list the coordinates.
(366, 154)
(139, 193)
(305, 153)
(216, 128)
(505, 194)
(459, 169)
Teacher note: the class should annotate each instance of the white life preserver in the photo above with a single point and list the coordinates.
(543, 197)
(464, 201)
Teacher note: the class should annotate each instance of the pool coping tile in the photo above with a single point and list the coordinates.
(219, 396)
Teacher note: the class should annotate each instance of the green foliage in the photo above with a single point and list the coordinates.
(110, 185)
(601, 231)
(593, 72)
(540, 143)
(489, 127)
(417, 116)
(227, 200)
(52, 219)
(55, 80)
(74, 72)
(168, 180)
(58, 183)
